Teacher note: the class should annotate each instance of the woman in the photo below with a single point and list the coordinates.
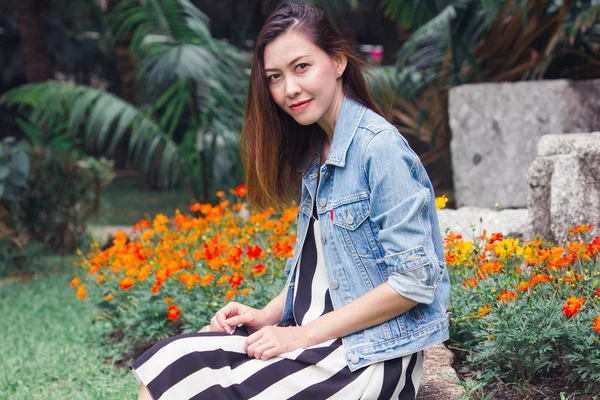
(367, 288)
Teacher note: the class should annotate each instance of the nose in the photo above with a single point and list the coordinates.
(292, 88)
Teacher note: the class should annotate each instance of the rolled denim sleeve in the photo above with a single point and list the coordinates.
(400, 207)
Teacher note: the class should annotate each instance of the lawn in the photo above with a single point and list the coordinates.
(49, 347)
(125, 202)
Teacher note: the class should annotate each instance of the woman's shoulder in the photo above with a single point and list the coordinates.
(376, 132)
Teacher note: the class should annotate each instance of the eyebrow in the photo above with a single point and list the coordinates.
(291, 62)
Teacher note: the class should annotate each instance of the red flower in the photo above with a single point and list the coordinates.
(156, 287)
(241, 190)
(236, 279)
(259, 269)
(496, 237)
(255, 251)
(506, 295)
(174, 313)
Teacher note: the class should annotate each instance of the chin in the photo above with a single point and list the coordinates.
(304, 120)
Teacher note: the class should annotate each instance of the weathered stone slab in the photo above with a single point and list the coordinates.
(564, 185)
(495, 129)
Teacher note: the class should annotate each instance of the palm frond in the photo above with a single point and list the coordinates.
(100, 116)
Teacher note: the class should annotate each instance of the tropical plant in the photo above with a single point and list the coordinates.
(193, 94)
(465, 41)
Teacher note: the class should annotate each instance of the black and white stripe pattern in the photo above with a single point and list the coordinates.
(215, 366)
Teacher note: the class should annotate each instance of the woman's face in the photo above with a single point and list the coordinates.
(298, 71)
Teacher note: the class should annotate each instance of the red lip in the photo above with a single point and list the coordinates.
(300, 103)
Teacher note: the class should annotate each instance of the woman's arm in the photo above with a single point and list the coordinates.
(375, 307)
(274, 309)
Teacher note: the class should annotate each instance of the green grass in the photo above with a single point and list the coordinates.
(49, 349)
(123, 202)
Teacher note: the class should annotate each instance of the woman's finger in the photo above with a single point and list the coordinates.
(261, 348)
(270, 353)
(220, 316)
(214, 325)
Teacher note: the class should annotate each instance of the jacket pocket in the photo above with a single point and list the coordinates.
(353, 229)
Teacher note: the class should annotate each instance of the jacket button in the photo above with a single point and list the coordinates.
(334, 284)
(354, 359)
(323, 202)
(327, 174)
(323, 239)
(349, 219)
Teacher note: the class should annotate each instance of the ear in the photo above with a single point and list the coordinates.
(340, 62)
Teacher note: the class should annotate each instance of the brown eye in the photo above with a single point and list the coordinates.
(301, 64)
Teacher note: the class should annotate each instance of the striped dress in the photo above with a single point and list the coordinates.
(214, 366)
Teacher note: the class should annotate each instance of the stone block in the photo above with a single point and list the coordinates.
(564, 185)
(495, 129)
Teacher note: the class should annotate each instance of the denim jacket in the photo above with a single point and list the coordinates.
(379, 224)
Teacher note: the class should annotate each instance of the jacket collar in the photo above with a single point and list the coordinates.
(345, 127)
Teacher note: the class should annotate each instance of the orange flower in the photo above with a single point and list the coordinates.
(207, 279)
(506, 296)
(597, 324)
(470, 282)
(168, 300)
(230, 293)
(236, 279)
(81, 292)
(108, 297)
(141, 225)
(174, 313)
(540, 278)
(156, 287)
(126, 283)
(222, 280)
(245, 291)
(483, 311)
(573, 305)
(259, 269)
(576, 230)
(452, 237)
(220, 193)
(161, 275)
(100, 279)
(76, 281)
(241, 190)
(523, 286)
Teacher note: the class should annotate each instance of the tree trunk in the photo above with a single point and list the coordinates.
(33, 42)
(124, 62)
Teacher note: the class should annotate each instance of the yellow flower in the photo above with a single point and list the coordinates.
(440, 202)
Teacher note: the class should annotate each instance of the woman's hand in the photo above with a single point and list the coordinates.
(272, 341)
(233, 314)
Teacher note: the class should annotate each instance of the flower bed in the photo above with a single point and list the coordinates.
(171, 276)
(521, 310)
(518, 309)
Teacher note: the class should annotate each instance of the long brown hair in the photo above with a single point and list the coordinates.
(272, 143)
